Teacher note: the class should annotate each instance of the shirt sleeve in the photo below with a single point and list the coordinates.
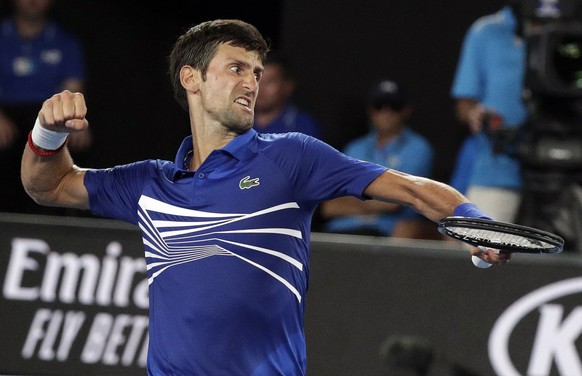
(115, 192)
(467, 81)
(326, 173)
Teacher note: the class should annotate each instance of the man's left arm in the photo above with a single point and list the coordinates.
(433, 199)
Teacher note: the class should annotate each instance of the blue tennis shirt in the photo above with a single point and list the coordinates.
(227, 247)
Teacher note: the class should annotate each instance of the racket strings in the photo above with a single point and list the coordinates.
(502, 239)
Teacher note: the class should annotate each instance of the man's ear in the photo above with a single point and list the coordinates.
(190, 78)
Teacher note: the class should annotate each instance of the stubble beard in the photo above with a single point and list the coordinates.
(234, 122)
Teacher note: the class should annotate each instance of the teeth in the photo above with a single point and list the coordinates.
(242, 101)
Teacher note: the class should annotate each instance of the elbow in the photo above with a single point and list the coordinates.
(38, 192)
(40, 197)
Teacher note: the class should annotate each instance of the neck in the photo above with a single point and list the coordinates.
(385, 137)
(207, 139)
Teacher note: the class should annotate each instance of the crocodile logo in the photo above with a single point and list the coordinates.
(248, 183)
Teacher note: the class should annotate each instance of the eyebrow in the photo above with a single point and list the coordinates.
(244, 64)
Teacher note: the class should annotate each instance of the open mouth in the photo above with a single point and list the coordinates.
(244, 102)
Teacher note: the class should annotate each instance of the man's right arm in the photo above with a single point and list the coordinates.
(50, 177)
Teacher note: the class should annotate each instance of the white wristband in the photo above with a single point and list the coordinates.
(47, 139)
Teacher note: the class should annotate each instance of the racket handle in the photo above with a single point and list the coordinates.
(481, 264)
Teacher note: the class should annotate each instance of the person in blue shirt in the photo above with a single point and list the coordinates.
(38, 58)
(275, 111)
(488, 85)
(226, 226)
(463, 167)
(391, 143)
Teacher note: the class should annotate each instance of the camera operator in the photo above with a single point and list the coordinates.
(550, 149)
(487, 90)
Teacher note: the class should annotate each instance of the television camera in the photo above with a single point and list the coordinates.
(550, 141)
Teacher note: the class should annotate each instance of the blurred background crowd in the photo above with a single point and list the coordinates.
(418, 86)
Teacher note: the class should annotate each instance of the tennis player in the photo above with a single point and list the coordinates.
(226, 226)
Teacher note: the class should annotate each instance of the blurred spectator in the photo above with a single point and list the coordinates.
(393, 144)
(464, 164)
(488, 88)
(37, 59)
(275, 111)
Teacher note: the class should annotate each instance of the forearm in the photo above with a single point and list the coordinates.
(48, 173)
(50, 178)
(437, 201)
(352, 206)
(43, 177)
(433, 199)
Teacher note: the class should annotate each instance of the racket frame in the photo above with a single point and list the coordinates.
(530, 233)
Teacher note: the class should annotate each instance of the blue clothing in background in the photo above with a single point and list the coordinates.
(34, 70)
(464, 164)
(292, 120)
(31, 71)
(491, 71)
(410, 153)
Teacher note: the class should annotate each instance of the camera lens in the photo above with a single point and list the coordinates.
(567, 61)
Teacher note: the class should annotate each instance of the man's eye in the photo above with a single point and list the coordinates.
(235, 69)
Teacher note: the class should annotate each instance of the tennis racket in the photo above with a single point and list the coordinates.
(502, 236)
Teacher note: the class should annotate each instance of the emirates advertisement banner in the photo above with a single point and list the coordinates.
(74, 299)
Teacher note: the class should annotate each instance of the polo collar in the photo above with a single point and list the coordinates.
(239, 148)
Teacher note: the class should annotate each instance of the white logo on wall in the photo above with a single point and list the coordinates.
(59, 280)
(555, 338)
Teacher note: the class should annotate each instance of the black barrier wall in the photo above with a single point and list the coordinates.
(74, 302)
(74, 297)
(523, 318)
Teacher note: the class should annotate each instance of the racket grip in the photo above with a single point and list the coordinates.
(480, 263)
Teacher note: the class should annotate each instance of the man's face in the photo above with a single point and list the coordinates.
(389, 120)
(32, 9)
(232, 83)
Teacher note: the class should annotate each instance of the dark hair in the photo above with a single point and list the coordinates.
(198, 45)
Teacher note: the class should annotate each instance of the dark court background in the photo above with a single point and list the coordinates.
(425, 298)
(339, 49)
